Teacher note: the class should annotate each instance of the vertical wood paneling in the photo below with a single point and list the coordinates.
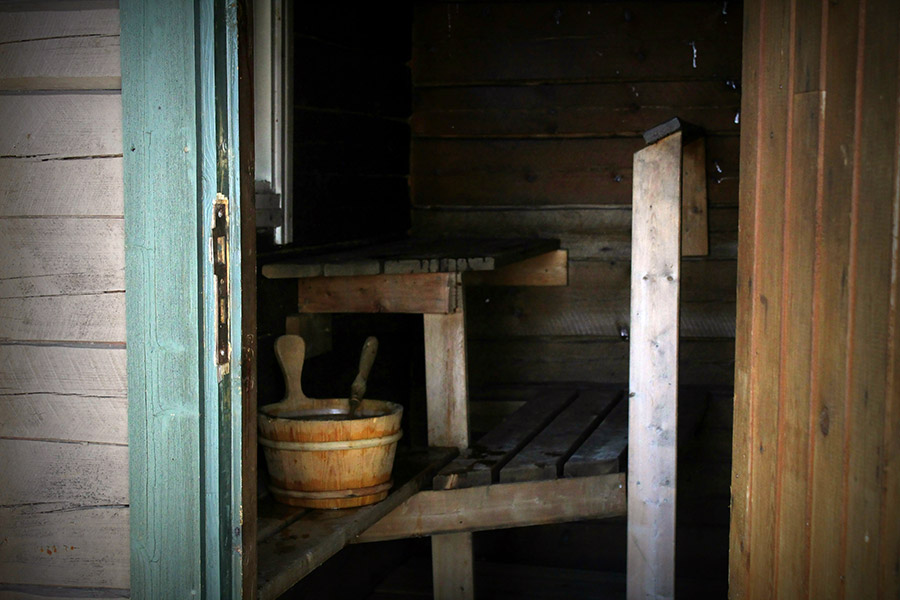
(766, 305)
(870, 282)
(834, 519)
(832, 293)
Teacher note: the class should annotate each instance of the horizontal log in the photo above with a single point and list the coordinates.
(535, 21)
(61, 475)
(56, 126)
(597, 303)
(550, 269)
(426, 293)
(70, 417)
(586, 232)
(33, 187)
(73, 318)
(87, 548)
(501, 506)
(588, 359)
(661, 52)
(61, 256)
(61, 370)
(88, 62)
(532, 172)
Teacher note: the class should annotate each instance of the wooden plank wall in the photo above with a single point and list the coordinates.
(817, 409)
(525, 120)
(63, 405)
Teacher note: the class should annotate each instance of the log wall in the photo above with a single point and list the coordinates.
(63, 406)
(525, 120)
(815, 487)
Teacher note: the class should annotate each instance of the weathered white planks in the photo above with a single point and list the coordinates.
(59, 370)
(653, 365)
(70, 547)
(78, 318)
(61, 476)
(89, 62)
(34, 187)
(71, 417)
(61, 256)
(42, 24)
(61, 125)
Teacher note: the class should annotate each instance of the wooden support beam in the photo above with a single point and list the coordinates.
(448, 425)
(694, 214)
(550, 269)
(653, 380)
(420, 293)
(503, 505)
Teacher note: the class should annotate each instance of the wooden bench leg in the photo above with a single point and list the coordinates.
(448, 425)
(653, 379)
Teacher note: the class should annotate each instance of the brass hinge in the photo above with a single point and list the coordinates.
(220, 271)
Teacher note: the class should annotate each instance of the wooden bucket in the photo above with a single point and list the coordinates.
(317, 456)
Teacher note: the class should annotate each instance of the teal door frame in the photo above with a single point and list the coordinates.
(183, 296)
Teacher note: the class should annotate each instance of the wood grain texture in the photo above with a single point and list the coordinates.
(603, 450)
(42, 592)
(446, 380)
(163, 317)
(83, 318)
(481, 464)
(88, 62)
(830, 366)
(69, 416)
(31, 187)
(653, 370)
(587, 358)
(61, 257)
(71, 21)
(65, 548)
(596, 303)
(53, 476)
(502, 505)
(873, 220)
(302, 546)
(550, 269)
(532, 172)
(428, 293)
(544, 456)
(61, 370)
(57, 126)
(694, 215)
(452, 566)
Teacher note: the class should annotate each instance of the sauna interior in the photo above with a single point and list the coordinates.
(451, 121)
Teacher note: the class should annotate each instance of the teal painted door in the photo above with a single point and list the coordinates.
(183, 267)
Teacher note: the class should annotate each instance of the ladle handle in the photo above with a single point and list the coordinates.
(366, 359)
(290, 351)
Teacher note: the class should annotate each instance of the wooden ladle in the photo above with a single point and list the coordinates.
(290, 350)
(358, 387)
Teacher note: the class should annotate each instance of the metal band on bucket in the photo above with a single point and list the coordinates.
(337, 445)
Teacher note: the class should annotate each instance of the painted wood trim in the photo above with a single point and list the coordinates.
(502, 505)
(653, 379)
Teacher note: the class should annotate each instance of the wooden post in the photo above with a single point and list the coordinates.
(448, 425)
(653, 379)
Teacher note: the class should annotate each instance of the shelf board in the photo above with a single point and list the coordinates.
(294, 541)
(414, 256)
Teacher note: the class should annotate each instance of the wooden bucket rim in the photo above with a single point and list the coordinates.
(335, 445)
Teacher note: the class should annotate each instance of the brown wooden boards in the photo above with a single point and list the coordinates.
(653, 379)
(287, 556)
(481, 464)
(694, 214)
(544, 456)
(602, 451)
(431, 255)
(421, 293)
(503, 505)
(550, 269)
